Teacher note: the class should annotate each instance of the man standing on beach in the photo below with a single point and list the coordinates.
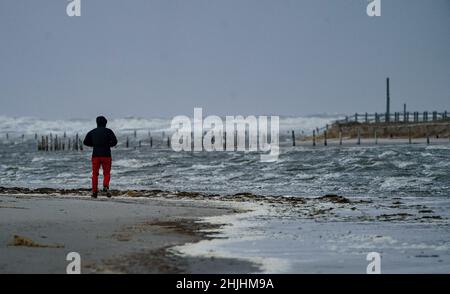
(102, 139)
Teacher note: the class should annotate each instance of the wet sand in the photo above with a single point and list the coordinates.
(119, 235)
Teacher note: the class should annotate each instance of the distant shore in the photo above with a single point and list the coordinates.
(347, 141)
(118, 235)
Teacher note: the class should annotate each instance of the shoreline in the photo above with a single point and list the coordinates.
(118, 235)
(155, 231)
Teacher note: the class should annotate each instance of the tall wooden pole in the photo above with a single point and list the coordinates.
(388, 102)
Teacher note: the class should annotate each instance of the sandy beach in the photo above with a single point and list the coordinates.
(119, 235)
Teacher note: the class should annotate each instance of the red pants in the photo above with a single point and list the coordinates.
(105, 162)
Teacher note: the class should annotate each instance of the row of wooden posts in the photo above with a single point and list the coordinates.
(168, 141)
(50, 143)
(55, 143)
(61, 143)
(150, 140)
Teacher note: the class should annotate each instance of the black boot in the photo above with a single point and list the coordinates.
(94, 194)
(106, 190)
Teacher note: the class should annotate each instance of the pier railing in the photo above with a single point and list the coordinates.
(415, 118)
(396, 117)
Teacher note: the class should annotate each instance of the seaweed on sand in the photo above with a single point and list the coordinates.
(27, 242)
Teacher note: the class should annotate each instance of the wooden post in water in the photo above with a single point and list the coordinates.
(314, 137)
(404, 113)
(409, 135)
(225, 141)
(359, 136)
(135, 133)
(168, 141)
(35, 136)
(127, 143)
(388, 103)
(428, 137)
(46, 143)
(203, 137)
(325, 138)
(376, 138)
(340, 137)
(293, 138)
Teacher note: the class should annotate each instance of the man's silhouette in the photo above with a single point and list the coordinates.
(102, 139)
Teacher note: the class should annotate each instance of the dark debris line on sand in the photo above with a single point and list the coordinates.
(288, 202)
(245, 196)
(27, 242)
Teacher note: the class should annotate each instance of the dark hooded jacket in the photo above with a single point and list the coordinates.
(101, 138)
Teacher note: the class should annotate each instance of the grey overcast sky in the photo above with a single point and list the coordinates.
(159, 58)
